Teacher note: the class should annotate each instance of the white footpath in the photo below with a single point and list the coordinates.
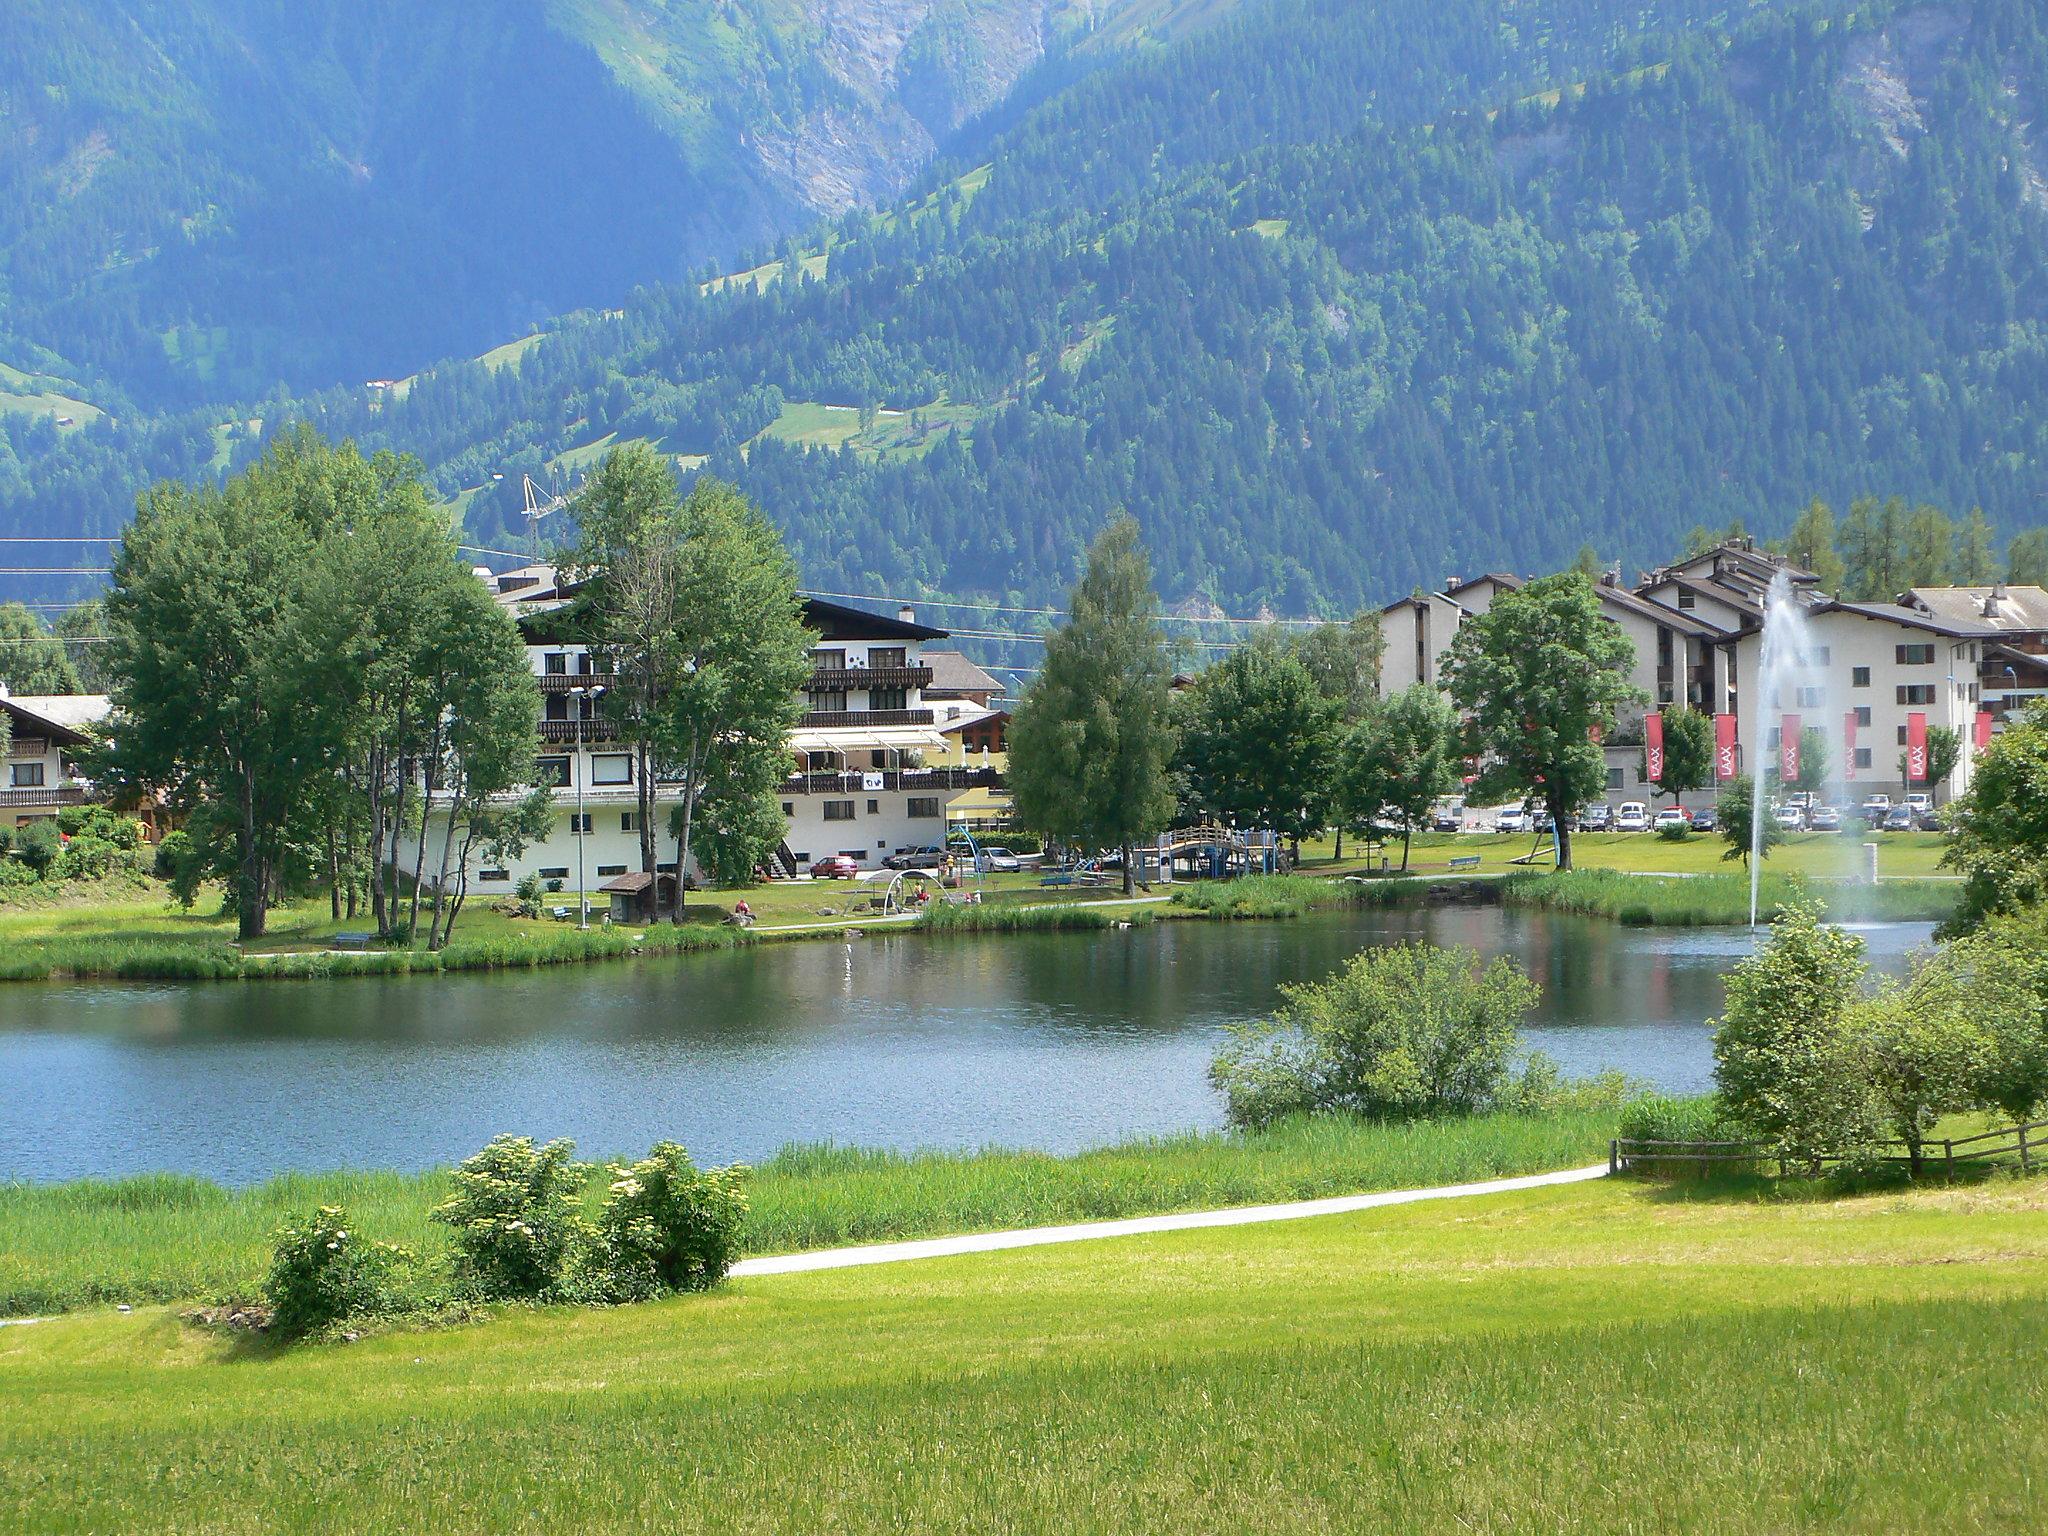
(1185, 1221)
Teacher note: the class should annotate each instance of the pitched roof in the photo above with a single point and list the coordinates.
(1911, 618)
(2021, 609)
(954, 673)
(64, 716)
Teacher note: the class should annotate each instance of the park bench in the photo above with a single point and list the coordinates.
(1467, 861)
(353, 940)
(559, 914)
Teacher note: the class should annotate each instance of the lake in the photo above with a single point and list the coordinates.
(1052, 1041)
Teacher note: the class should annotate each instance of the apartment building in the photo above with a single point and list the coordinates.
(867, 772)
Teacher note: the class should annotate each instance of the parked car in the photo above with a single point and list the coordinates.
(1708, 820)
(1634, 816)
(1933, 819)
(1515, 820)
(835, 866)
(1824, 818)
(1671, 816)
(1919, 802)
(1790, 818)
(1444, 820)
(1000, 860)
(1899, 818)
(929, 856)
(1597, 817)
(1876, 808)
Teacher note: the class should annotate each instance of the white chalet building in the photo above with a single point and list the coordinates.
(858, 783)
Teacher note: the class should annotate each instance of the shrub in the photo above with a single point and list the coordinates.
(1785, 1055)
(171, 853)
(666, 1227)
(37, 845)
(1674, 831)
(528, 893)
(515, 1217)
(1398, 1032)
(321, 1273)
(85, 858)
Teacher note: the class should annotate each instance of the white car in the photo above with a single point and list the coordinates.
(1516, 820)
(1634, 816)
(1672, 816)
(1790, 818)
(1919, 804)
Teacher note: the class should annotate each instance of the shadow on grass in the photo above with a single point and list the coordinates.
(1693, 1187)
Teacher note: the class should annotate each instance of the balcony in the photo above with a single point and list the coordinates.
(829, 719)
(570, 731)
(57, 794)
(845, 679)
(28, 746)
(855, 781)
(562, 682)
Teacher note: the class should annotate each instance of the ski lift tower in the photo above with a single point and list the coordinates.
(539, 504)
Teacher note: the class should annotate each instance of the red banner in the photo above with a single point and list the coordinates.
(1849, 747)
(1724, 746)
(1788, 748)
(1983, 738)
(1916, 748)
(1653, 748)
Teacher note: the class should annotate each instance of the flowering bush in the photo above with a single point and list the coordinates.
(515, 1217)
(321, 1272)
(666, 1227)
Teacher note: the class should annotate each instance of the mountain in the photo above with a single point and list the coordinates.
(205, 198)
(1335, 299)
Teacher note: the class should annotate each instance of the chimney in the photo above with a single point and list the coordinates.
(1610, 578)
(907, 614)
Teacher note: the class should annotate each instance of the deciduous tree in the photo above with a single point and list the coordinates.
(1257, 742)
(1540, 676)
(1398, 760)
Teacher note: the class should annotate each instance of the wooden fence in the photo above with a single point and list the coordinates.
(1625, 1155)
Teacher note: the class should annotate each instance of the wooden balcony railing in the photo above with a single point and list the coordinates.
(568, 732)
(845, 679)
(828, 719)
(56, 794)
(562, 682)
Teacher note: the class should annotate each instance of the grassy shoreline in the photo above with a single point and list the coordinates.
(169, 1237)
(146, 945)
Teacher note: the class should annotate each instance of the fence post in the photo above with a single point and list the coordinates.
(2025, 1166)
(1949, 1149)
(1614, 1156)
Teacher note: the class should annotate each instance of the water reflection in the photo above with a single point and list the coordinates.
(1047, 1040)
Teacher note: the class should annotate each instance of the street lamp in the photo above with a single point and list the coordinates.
(580, 766)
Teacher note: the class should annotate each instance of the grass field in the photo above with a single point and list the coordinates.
(1604, 1357)
(170, 1237)
(34, 394)
(1723, 899)
(1827, 855)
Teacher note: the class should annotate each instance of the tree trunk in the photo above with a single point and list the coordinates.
(682, 851)
(253, 880)
(1407, 836)
(1337, 857)
(333, 874)
(644, 799)
(419, 855)
(375, 873)
(435, 937)
(1130, 869)
(1562, 831)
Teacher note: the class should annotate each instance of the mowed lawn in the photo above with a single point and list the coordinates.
(1820, 854)
(1605, 1357)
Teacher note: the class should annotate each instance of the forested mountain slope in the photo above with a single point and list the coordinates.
(1337, 300)
(201, 198)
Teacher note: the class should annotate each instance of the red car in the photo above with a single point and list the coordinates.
(835, 866)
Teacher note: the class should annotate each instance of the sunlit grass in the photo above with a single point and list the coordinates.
(1602, 1358)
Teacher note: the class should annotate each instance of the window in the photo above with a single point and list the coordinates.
(829, 658)
(1859, 677)
(888, 656)
(606, 871)
(1614, 778)
(612, 768)
(561, 873)
(874, 807)
(556, 663)
(801, 855)
(1902, 735)
(1916, 693)
(788, 808)
(1863, 757)
(629, 821)
(924, 805)
(1863, 714)
(584, 666)
(1819, 656)
(1812, 698)
(28, 775)
(551, 772)
(666, 869)
(555, 707)
(1914, 655)
(888, 698)
(828, 700)
(1686, 601)
(839, 810)
(579, 822)
(494, 874)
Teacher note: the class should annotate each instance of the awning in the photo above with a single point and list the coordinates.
(877, 738)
